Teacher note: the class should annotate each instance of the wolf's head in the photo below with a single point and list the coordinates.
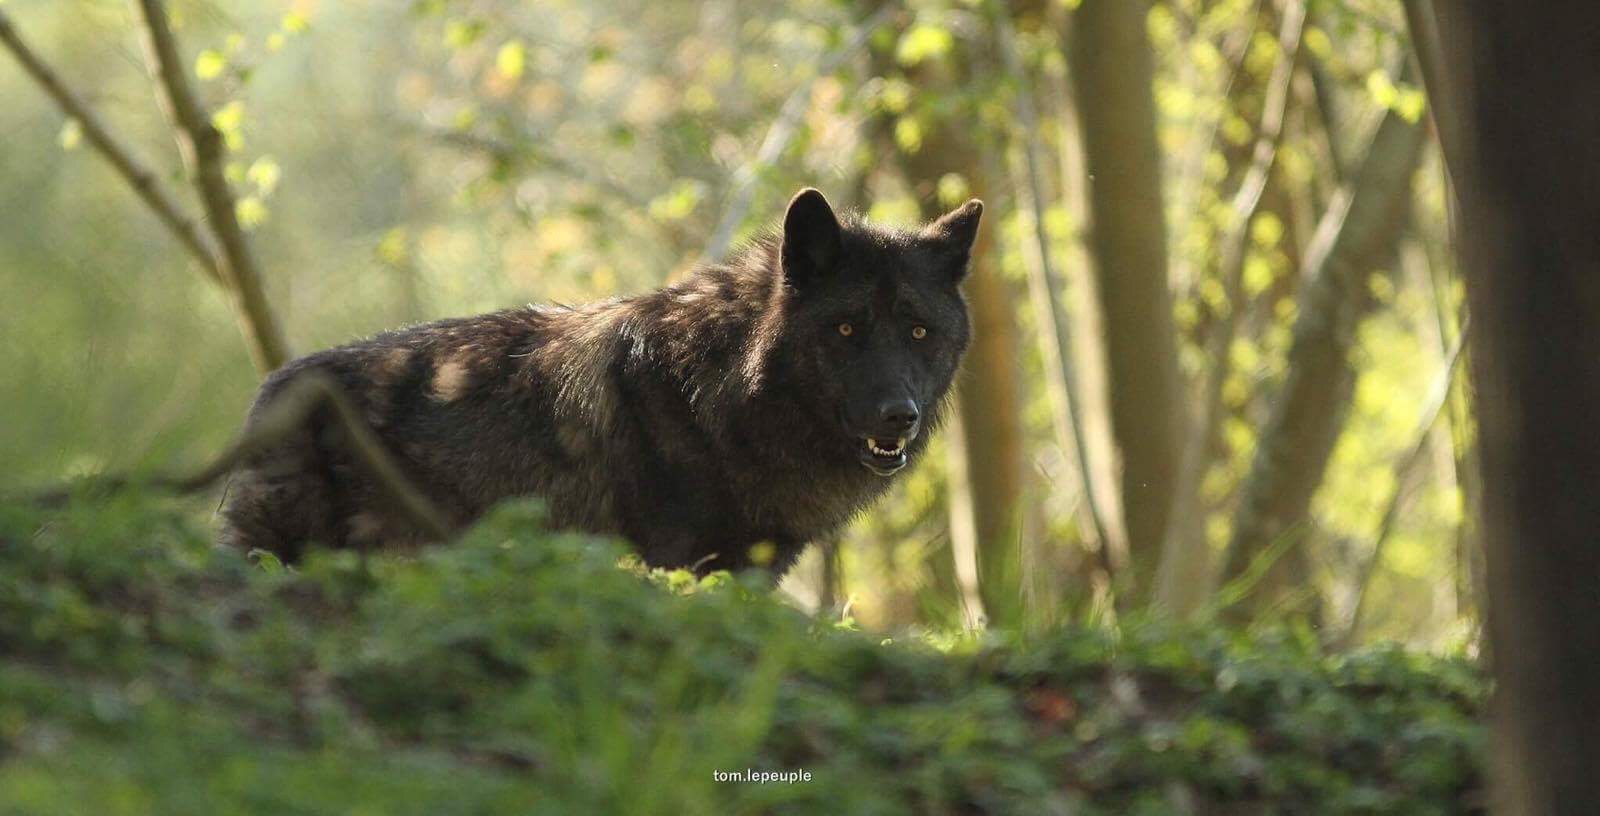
(874, 321)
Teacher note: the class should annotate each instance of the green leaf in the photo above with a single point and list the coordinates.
(908, 134)
(953, 189)
(264, 173)
(923, 42)
(511, 59)
(251, 212)
(229, 121)
(264, 559)
(210, 64)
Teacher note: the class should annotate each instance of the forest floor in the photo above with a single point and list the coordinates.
(144, 671)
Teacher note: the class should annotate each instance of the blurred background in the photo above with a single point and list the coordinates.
(1217, 312)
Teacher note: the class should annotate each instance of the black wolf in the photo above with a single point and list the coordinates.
(719, 423)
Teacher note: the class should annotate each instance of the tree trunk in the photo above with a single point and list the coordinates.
(1112, 70)
(1531, 253)
(985, 443)
(991, 429)
(1357, 233)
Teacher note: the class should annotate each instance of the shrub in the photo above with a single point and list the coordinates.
(521, 670)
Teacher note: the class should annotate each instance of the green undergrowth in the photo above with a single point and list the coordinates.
(523, 671)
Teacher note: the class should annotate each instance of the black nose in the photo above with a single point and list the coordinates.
(898, 414)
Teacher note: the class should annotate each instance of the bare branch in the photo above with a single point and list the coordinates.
(1359, 227)
(286, 415)
(523, 149)
(143, 181)
(779, 134)
(202, 149)
(1438, 394)
(1181, 582)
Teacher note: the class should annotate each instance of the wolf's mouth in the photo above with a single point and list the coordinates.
(883, 456)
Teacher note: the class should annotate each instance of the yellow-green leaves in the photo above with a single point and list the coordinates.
(251, 212)
(511, 59)
(210, 64)
(264, 173)
(953, 189)
(1403, 99)
(923, 42)
(679, 201)
(908, 134)
(263, 176)
(229, 121)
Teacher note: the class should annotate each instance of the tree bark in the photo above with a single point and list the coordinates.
(1531, 253)
(1062, 388)
(1358, 232)
(987, 463)
(1113, 73)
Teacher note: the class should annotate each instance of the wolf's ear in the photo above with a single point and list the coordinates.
(955, 231)
(811, 238)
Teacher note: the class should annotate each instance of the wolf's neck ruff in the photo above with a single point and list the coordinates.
(761, 400)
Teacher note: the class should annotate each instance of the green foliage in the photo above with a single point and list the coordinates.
(521, 670)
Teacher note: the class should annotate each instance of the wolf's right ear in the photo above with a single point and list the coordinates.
(811, 239)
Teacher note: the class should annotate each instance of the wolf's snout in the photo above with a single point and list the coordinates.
(898, 415)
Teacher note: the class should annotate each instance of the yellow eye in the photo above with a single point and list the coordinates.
(846, 329)
(918, 332)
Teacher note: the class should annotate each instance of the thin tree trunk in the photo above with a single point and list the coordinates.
(1182, 578)
(1438, 395)
(1112, 69)
(1531, 254)
(1358, 232)
(989, 455)
(986, 449)
(1055, 346)
(1085, 328)
(1422, 23)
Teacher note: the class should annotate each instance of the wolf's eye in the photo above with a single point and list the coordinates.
(846, 329)
(918, 332)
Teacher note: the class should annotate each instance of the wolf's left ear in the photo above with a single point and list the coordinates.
(811, 240)
(956, 230)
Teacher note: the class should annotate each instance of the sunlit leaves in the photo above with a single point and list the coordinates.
(229, 121)
(1317, 42)
(923, 42)
(908, 134)
(953, 189)
(511, 59)
(210, 64)
(394, 248)
(1266, 230)
(462, 33)
(264, 173)
(1257, 275)
(1403, 99)
(679, 201)
(894, 95)
(251, 212)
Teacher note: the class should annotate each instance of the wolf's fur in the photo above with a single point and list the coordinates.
(697, 421)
